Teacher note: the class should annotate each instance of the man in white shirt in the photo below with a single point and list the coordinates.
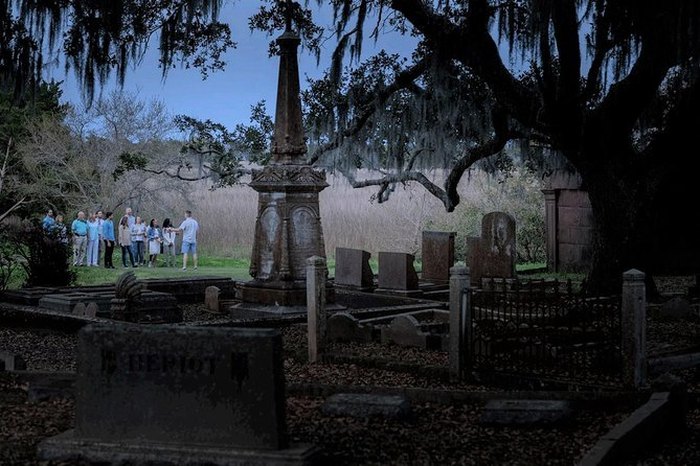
(189, 228)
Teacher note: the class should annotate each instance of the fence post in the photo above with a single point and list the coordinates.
(634, 361)
(316, 306)
(460, 321)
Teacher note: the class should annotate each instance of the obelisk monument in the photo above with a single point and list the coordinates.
(288, 225)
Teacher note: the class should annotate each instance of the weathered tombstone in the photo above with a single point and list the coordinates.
(493, 254)
(342, 326)
(397, 274)
(362, 405)
(438, 255)
(316, 306)
(404, 330)
(176, 395)
(79, 309)
(11, 362)
(211, 298)
(91, 310)
(352, 269)
(133, 302)
(525, 412)
(676, 308)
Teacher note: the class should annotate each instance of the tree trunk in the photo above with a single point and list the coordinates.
(622, 200)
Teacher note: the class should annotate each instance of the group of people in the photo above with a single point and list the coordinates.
(96, 232)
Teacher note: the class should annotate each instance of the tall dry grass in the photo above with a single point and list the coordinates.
(350, 219)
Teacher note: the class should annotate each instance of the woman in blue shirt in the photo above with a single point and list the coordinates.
(108, 238)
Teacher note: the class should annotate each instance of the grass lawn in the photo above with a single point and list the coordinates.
(219, 266)
(223, 267)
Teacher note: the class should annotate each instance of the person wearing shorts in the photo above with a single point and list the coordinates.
(189, 228)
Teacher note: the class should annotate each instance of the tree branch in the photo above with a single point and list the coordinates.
(565, 25)
(403, 80)
(602, 45)
(472, 44)
(387, 180)
(629, 97)
(13, 208)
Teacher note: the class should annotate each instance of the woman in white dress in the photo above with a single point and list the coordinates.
(169, 249)
(154, 240)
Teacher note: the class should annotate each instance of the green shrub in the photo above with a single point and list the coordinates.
(44, 255)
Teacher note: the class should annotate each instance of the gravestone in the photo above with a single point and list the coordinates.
(361, 405)
(493, 254)
(525, 412)
(211, 298)
(133, 302)
(79, 309)
(66, 302)
(344, 327)
(11, 362)
(397, 274)
(676, 308)
(178, 395)
(352, 269)
(91, 310)
(438, 255)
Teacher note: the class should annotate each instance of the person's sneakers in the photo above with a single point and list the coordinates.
(184, 268)
(195, 267)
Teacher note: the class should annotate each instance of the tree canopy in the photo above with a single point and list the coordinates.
(607, 86)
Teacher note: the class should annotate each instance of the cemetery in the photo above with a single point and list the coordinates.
(365, 379)
(444, 353)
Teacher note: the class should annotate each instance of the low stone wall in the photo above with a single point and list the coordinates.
(646, 425)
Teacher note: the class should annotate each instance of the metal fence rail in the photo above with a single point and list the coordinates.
(544, 328)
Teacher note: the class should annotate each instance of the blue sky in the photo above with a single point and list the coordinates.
(250, 75)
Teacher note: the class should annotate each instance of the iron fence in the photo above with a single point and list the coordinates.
(544, 328)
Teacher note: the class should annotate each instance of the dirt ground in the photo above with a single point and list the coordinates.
(435, 434)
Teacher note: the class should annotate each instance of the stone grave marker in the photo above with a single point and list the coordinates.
(343, 326)
(352, 269)
(397, 274)
(91, 310)
(11, 362)
(677, 307)
(79, 309)
(438, 253)
(493, 253)
(211, 298)
(525, 412)
(362, 405)
(178, 395)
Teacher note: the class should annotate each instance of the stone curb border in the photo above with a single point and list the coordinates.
(662, 364)
(448, 397)
(647, 423)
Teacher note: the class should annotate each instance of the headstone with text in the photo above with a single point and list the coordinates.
(493, 254)
(172, 394)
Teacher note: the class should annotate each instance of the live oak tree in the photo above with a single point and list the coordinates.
(606, 87)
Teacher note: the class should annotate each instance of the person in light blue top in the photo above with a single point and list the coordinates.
(48, 221)
(189, 228)
(108, 238)
(138, 238)
(93, 241)
(79, 230)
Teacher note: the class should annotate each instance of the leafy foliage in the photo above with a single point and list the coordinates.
(100, 38)
(44, 255)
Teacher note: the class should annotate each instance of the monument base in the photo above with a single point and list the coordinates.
(281, 294)
(267, 311)
(406, 293)
(67, 447)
